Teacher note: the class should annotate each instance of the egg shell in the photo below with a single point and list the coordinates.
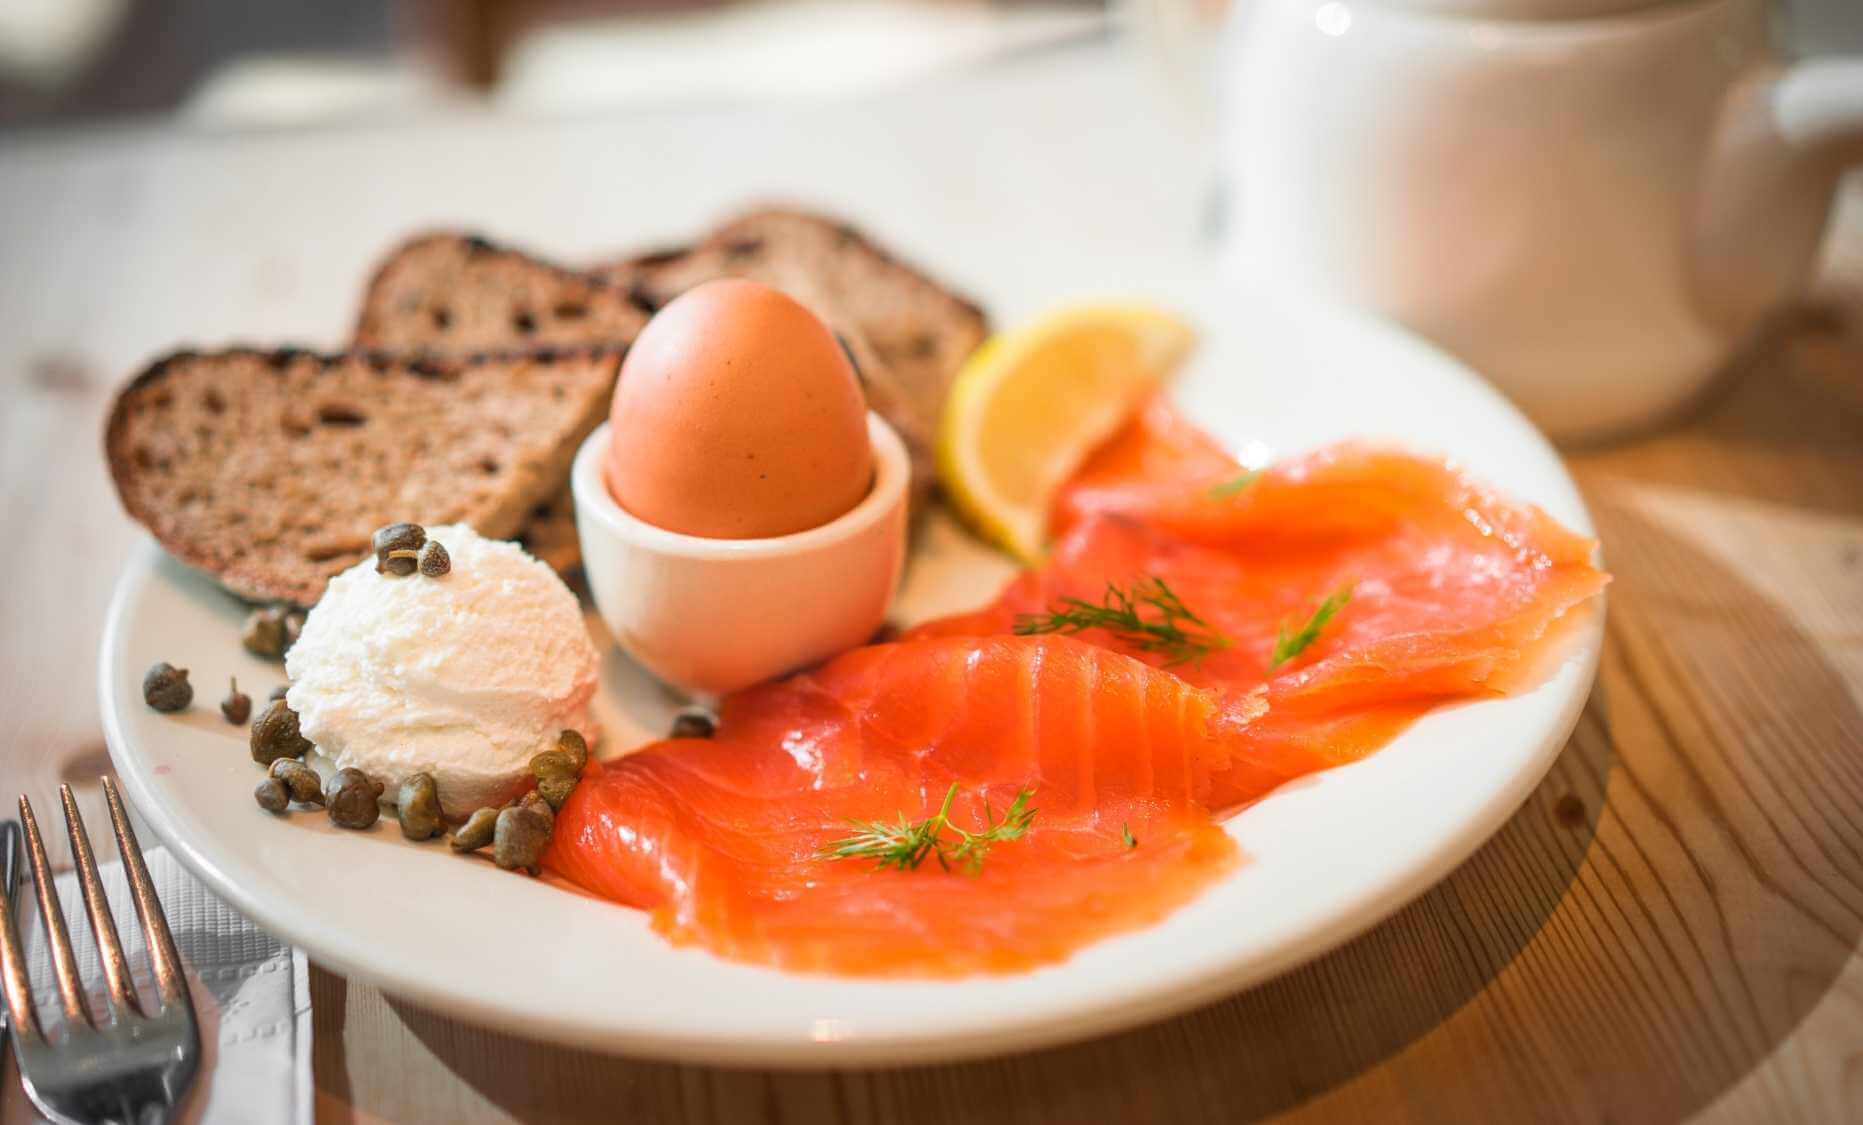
(737, 415)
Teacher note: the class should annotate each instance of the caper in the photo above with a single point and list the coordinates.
(519, 838)
(353, 798)
(263, 634)
(237, 706)
(552, 763)
(272, 795)
(166, 688)
(693, 723)
(476, 832)
(434, 560)
(536, 802)
(556, 790)
(396, 547)
(399, 536)
(278, 692)
(303, 781)
(417, 805)
(275, 735)
(571, 743)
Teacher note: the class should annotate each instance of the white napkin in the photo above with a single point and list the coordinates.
(251, 992)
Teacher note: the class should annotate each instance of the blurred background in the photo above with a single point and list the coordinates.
(282, 63)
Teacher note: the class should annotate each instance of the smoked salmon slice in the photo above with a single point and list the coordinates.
(1127, 753)
(1451, 584)
(722, 840)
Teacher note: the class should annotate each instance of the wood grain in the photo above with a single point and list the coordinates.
(1668, 929)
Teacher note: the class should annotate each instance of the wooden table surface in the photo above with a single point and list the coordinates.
(1668, 928)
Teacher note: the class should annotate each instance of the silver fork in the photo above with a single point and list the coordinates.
(132, 1066)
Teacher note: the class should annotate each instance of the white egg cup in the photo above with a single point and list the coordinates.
(710, 616)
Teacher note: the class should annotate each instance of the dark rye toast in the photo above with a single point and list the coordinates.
(457, 294)
(451, 294)
(919, 331)
(440, 292)
(271, 469)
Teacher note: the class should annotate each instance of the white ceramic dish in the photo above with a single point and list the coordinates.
(1329, 856)
(715, 615)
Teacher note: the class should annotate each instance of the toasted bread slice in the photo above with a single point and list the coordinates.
(271, 470)
(550, 534)
(448, 294)
(916, 333)
(456, 294)
(439, 294)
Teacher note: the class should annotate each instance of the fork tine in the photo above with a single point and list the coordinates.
(122, 993)
(52, 917)
(163, 957)
(21, 1018)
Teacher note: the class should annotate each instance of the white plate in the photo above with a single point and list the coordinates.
(1328, 856)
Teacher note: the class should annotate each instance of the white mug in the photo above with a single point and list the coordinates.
(1593, 202)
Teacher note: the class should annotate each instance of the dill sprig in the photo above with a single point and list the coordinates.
(906, 844)
(1171, 630)
(1225, 489)
(1289, 645)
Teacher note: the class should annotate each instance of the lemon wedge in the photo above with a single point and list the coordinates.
(1029, 405)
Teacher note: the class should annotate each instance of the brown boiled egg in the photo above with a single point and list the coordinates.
(738, 416)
